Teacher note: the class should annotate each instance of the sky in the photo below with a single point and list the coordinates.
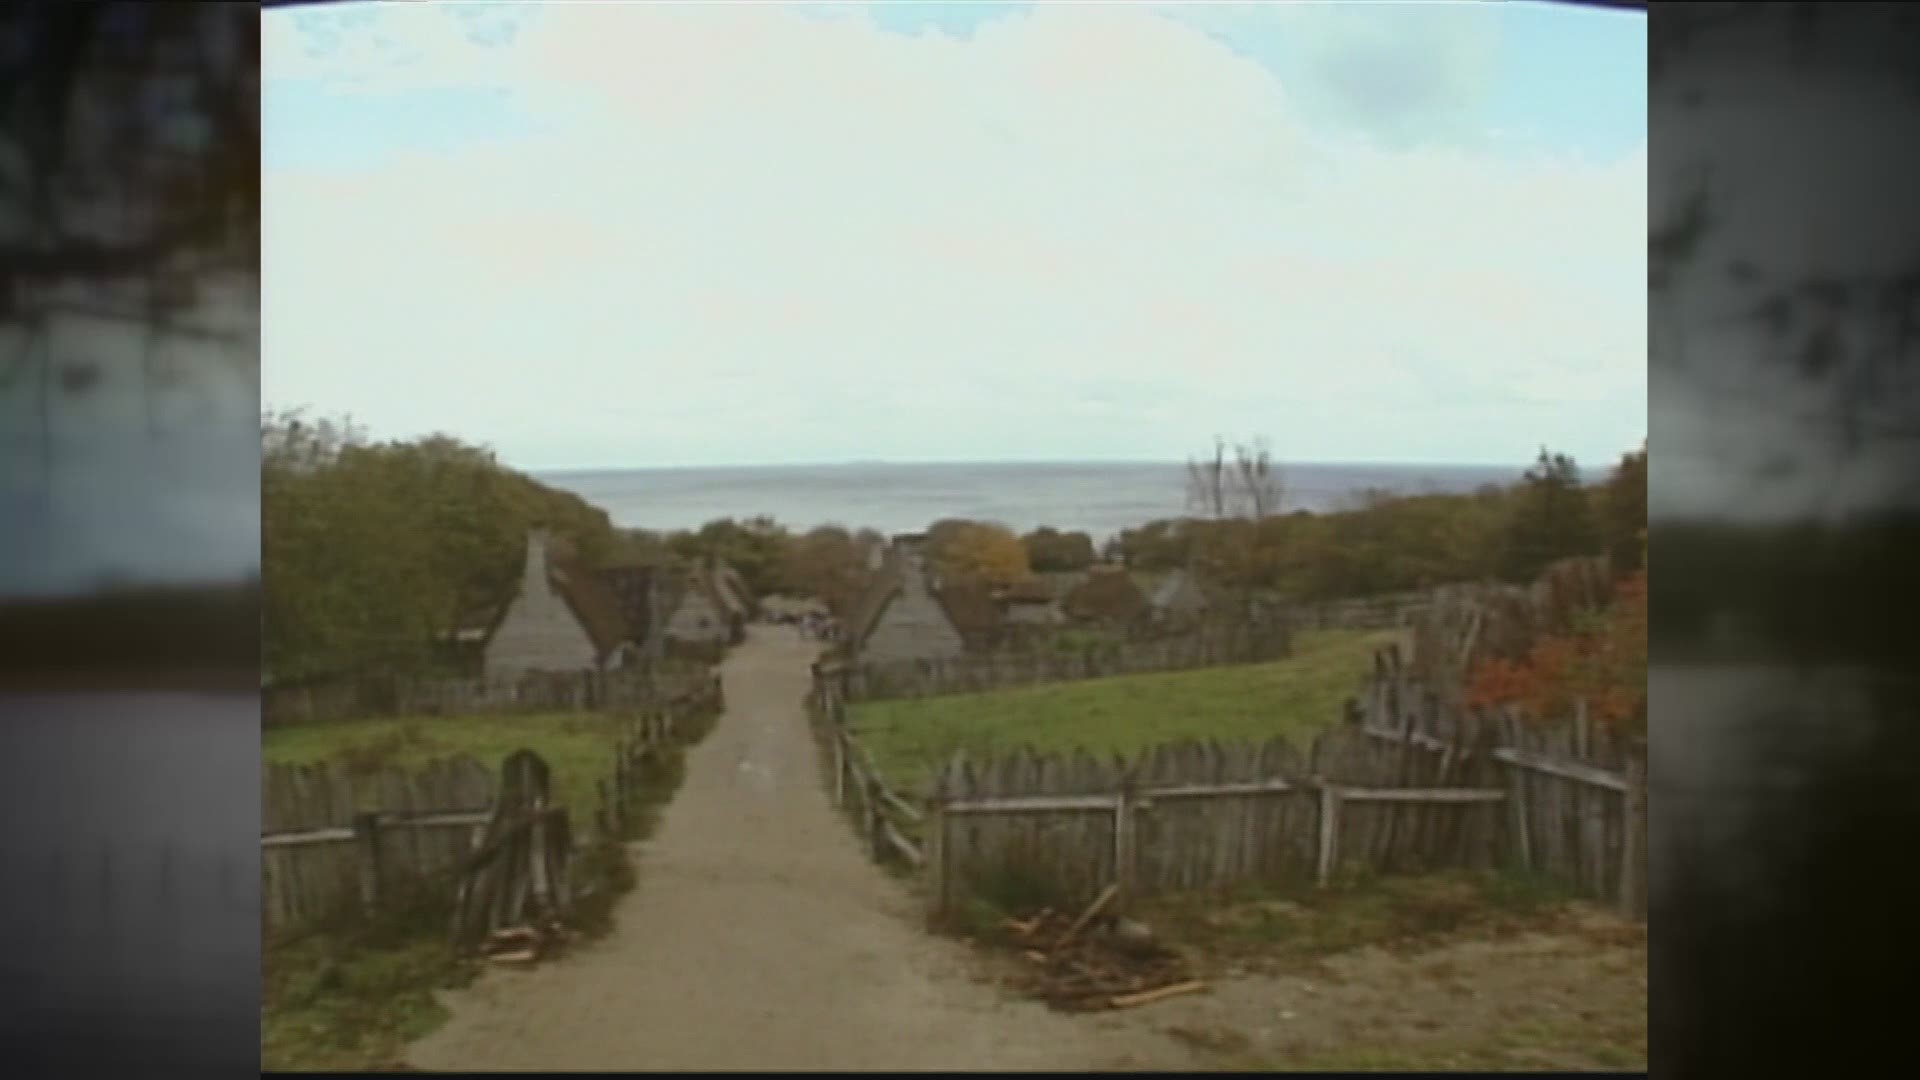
(609, 235)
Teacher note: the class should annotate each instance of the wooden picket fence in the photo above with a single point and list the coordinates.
(1577, 793)
(336, 841)
(995, 671)
(331, 838)
(623, 689)
(1398, 788)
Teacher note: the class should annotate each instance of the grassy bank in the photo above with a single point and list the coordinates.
(349, 996)
(577, 746)
(1296, 697)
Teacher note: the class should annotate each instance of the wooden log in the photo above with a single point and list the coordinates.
(1147, 997)
(1099, 902)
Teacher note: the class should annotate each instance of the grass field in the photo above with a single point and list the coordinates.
(1295, 697)
(578, 747)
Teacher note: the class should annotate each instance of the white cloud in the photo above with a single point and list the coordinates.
(748, 235)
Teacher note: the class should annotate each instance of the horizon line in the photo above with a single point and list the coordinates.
(1281, 465)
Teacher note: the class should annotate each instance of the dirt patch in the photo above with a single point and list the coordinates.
(760, 936)
(1436, 973)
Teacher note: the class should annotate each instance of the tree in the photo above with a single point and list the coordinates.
(1207, 482)
(1623, 511)
(826, 562)
(757, 548)
(981, 553)
(1247, 486)
(372, 552)
(1049, 549)
(1602, 662)
(1552, 519)
(1256, 480)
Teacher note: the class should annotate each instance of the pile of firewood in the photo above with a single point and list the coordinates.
(1095, 960)
(523, 946)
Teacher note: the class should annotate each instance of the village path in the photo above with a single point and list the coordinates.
(760, 937)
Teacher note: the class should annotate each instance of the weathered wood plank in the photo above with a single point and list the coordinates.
(1026, 804)
(1565, 770)
(1422, 795)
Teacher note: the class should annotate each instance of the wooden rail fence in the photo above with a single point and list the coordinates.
(1401, 787)
(1576, 793)
(335, 840)
(1185, 816)
(976, 674)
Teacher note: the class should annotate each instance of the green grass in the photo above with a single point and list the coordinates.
(350, 999)
(577, 747)
(1296, 697)
(1298, 924)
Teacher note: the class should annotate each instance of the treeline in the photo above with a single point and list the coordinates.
(1393, 543)
(373, 552)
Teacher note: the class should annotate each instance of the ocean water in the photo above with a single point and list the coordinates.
(1098, 498)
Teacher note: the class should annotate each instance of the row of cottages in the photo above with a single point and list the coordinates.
(714, 606)
(564, 616)
(907, 613)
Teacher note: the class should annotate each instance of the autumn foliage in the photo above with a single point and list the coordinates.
(1602, 660)
(978, 552)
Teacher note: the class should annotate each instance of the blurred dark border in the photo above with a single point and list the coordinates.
(129, 716)
(1785, 741)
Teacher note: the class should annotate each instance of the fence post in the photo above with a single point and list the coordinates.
(1123, 844)
(839, 764)
(876, 833)
(563, 848)
(1634, 835)
(603, 820)
(936, 852)
(1517, 798)
(1329, 828)
(366, 840)
(537, 855)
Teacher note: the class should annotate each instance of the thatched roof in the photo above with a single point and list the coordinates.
(1107, 595)
(1028, 591)
(866, 612)
(594, 606)
(592, 603)
(973, 612)
(970, 608)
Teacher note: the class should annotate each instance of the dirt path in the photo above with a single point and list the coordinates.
(761, 937)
